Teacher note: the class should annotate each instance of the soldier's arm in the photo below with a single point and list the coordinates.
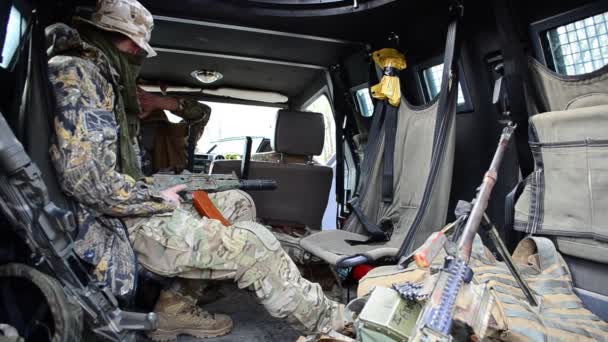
(85, 150)
(193, 111)
(190, 110)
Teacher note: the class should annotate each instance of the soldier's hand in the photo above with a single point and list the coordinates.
(151, 102)
(172, 194)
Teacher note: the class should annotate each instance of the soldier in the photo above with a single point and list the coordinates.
(167, 144)
(93, 71)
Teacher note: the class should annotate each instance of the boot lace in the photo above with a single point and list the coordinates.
(200, 312)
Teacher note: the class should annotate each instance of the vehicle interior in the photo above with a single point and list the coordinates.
(360, 181)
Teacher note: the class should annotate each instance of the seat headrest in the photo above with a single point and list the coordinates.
(556, 92)
(301, 133)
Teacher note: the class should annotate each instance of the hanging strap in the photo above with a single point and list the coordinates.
(515, 76)
(446, 112)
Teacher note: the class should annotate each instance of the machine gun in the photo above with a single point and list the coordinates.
(427, 310)
(47, 229)
(435, 321)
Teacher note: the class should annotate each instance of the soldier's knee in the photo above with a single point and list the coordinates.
(258, 236)
(261, 256)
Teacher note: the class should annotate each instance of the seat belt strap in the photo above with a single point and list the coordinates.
(510, 201)
(376, 233)
(515, 75)
(446, 112)
(390, 133)
(345, 114)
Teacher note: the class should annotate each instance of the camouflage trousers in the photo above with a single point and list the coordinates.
(184, 244)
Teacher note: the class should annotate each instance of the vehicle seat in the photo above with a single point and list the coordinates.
(413, 151)
(303, 186)
(566, 196)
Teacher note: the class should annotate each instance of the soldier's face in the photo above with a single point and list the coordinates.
(126, 45)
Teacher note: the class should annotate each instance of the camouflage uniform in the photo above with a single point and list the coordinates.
(170, 241)
(167, 143)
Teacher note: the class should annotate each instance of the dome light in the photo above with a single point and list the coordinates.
(207, 76)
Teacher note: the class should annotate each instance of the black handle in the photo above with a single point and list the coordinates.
(246, 158)
(258, 184)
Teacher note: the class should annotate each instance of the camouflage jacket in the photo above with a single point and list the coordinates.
(84, 154)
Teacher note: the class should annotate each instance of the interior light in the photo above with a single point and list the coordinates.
(207, 76)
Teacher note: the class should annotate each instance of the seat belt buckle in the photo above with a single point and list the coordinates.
(206, 208)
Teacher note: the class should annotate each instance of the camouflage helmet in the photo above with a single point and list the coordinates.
(128, 17)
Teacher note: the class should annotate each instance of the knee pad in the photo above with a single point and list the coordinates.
(258, 234)
(261, 250)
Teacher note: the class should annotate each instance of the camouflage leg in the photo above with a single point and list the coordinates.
(235, 205)
(188, 246)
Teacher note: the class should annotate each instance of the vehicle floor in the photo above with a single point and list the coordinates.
(251, 321)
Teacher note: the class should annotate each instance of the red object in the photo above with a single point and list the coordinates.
(205, 207)
(360, 271)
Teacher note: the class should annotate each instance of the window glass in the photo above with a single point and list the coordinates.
(229, 124)
(364, 100)
(14, 30)
(432, 81)
(580, 46)
(322, 105)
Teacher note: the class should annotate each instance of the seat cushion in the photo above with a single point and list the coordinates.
(587, 249)
(331, 246)
(555, 92)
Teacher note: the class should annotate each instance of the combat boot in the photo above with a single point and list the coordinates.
(178, 314)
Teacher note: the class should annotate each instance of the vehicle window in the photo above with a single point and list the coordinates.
(364, 101)
(14, 30)
(229, 124)
(580, 46)
(322, 105)
(432, 82)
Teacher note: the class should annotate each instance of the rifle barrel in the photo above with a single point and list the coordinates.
(465, 242)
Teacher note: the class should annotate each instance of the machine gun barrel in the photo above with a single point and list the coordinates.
(480, 203)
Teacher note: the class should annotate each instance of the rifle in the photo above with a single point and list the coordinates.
(212, 183)
(47, 229)
(435, 322)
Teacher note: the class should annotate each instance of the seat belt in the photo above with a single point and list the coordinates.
(375, 232)
(388, 94)
(446, 112)
(390, 133)
(344, 132)
(515, 74)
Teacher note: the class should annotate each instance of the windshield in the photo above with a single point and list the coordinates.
(231, 123)
(233, 145)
